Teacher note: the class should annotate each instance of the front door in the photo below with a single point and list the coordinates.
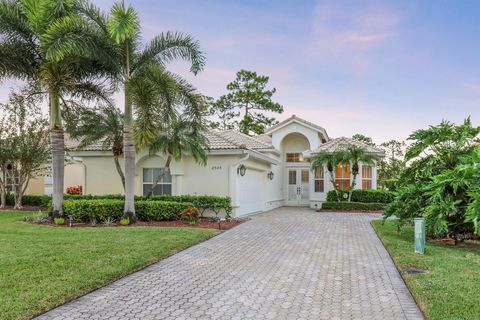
(298, 186)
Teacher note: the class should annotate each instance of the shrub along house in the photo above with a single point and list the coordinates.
(258, 173)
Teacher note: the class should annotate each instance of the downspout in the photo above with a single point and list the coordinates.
(232, 182)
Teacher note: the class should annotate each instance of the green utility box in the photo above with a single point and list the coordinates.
(419, 235)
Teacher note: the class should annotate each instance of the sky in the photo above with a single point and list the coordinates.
(380, 68)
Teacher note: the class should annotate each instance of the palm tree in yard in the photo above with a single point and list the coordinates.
(355, 155)
(330, 160)
(28, 53)
(149, 89)
(179, 138)
(101, 125)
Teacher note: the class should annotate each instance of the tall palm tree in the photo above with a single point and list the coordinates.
(355, 155)
(330, 160)
(28, 53)
(149, 90)
(101, 125)
(177, 139)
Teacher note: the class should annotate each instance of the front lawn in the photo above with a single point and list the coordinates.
(42, 267)
(451, 287)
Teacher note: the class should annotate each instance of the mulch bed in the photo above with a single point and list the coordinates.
(203, 223)
(351, 211)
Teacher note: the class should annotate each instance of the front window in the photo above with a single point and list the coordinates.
(342, 176)
(366, 177)
(10, 182)
(319, 180)
(294, 157)
(150, 176)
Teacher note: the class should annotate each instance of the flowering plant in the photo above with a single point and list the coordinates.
(190, 214)
(75, 190)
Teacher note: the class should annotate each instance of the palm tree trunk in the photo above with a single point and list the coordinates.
(352, 186)
(332, 180)
(58, 154)
(129, 148)
(155, 183)
(119, 170)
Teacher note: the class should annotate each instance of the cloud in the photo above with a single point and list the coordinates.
(350, 32)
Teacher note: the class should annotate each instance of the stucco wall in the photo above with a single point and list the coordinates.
(101, 176)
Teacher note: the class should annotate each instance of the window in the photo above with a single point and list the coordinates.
(164, 186)
(10, 184)
(292, 177)
(366, 177)
(319, 180)
(342, 176)
(294, 157)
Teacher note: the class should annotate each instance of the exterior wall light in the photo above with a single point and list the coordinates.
(270, 175)
(241, 170)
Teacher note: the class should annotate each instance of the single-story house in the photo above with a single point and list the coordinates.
(259, 173)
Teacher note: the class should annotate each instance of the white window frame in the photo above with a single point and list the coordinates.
(368, 179)
(161, 183)
(315, 179)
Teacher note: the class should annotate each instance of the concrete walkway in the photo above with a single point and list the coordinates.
(289, 263)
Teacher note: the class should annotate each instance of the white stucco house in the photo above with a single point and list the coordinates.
(259, 173)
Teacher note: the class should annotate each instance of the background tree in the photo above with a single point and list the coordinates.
(392, 165)
(100, 125)
(28, 135)
(364, 139)
(248, 95)
(223, 116)
(5, 158)
(28, 51)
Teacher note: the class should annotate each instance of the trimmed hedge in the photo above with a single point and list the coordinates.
(103, 209)
(366, 196)
(335, 205)
(203, 203)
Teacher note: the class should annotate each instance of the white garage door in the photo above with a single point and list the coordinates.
(250, 192)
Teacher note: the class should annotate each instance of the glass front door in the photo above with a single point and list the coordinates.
(298, 186)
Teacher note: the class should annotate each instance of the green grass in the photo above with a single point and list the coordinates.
(451, 287)
(42, 267)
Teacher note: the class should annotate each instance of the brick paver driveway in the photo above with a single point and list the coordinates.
(285, 264)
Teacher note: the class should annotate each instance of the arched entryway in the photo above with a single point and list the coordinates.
(296, 169)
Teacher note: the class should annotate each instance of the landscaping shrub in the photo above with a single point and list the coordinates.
(366, 196)
(102, 210)
(30, 200)
(343, 205)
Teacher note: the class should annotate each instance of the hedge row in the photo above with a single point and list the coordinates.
(367, 196)
(203, 203)
(112, 209)
(335, 205)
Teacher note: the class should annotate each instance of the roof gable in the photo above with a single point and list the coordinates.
(295, 119)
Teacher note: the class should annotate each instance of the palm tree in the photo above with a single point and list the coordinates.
(27, 52)
(330, 160)
(149, 89)
(177, 139)
(355, 155)
(101, 125)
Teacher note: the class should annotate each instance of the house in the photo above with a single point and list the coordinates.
(259, 173)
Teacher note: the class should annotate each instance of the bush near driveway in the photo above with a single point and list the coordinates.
(450, 290)
(370, 206)
(369, 196)
(43, 267)
(111, 209)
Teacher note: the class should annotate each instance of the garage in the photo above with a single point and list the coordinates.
(250, 192)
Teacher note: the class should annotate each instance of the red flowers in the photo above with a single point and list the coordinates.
(191, 214)
(75, 190)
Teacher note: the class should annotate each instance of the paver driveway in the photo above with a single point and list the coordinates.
(285, 264)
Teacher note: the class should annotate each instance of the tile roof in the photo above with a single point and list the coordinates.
(294, 117)
(342, 143)
(217, 140)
